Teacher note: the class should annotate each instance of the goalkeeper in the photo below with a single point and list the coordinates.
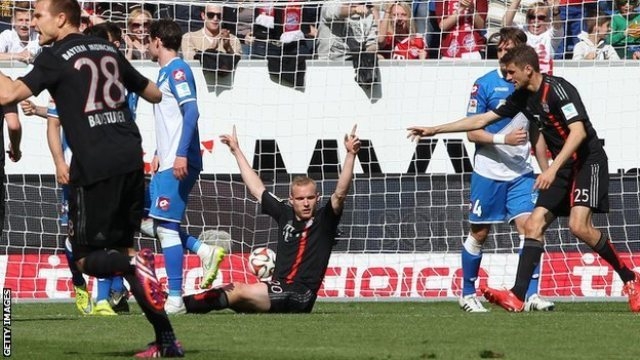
(307, 236)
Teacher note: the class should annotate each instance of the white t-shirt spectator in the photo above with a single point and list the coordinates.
(10, 42)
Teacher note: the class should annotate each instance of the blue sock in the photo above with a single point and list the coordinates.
(76, 276)
(117, 284)
(104, 285)
(189, 242)
(470, 270)
(173, 255)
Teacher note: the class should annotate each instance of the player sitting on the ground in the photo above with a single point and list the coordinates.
(575, 184)
(177, 163)
(306, 238)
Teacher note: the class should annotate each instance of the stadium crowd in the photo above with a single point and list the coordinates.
(335, 30)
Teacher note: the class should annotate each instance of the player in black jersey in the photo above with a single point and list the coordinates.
(575, 184)
(87, 78)
(306, 237)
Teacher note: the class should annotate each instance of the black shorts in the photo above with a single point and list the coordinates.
(106, 215)
(290, 298)
(587, 186)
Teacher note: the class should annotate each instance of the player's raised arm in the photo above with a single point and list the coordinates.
(352, 145)
(249, 176)
(465, 124)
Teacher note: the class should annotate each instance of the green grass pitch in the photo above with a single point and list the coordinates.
(348, 330)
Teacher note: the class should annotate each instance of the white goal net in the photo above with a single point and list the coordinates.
(406, 215)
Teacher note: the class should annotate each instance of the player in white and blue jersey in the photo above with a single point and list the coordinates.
(503, 178)
(177, 163)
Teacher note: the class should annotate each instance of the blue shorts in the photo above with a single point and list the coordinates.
(494, 201)
(168, 196)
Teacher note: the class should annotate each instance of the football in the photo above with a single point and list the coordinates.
(262, 261)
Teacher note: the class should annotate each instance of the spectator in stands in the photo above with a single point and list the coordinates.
(244, 24)
(625, 29)
(342, 21)
(592, 45)
(212, 36)
(463, 23)
(543, 28)
(21, 42)
(572, 14)
(6, 10)
(137, 34)
(397, 37)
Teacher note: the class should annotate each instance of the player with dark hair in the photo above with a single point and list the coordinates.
(502, 179)
(87, 78)
(176, 164)
(306, 238)
(575, 184)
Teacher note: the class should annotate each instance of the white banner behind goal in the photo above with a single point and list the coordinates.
(406, 214)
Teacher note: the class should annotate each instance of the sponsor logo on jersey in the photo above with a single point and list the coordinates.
(179, 75)
(569, 111)
(163, 203)
(502, 88)
(473, 106)
(183, 90)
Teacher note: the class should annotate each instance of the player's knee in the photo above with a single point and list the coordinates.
(168, 236)
(480, 233)
(579, 229)
(533, 228)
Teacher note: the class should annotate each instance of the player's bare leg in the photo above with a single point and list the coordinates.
(236, 296)
(581, 225)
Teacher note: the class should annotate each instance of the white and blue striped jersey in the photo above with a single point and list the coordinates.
(498, 162)
(178, 87)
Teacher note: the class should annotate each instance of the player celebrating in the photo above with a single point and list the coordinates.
(575, 184)
(177, 163)
(307, 236)
(87, 78)
(502, 179)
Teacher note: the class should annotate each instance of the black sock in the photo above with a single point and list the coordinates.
(214, 299)
(605, 249)
(158, 319)
(529, 259)
(103, 263)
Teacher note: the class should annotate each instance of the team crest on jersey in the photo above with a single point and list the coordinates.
(179, 75)
(473, 106)
(474, 90)
(545, 106)
(163, 203)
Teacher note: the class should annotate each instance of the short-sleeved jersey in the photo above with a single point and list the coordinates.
(498, 162)
(304, 247)
(552, 109)
(88, 78)
(178, 87)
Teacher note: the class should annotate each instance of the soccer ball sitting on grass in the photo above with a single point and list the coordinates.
(262, 261)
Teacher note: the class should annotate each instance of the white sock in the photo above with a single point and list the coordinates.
(473, 246)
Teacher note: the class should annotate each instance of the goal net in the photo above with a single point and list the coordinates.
(406, 215)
